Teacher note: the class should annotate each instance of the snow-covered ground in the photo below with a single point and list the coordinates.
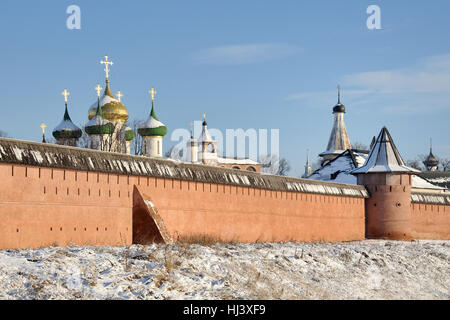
(356, 270)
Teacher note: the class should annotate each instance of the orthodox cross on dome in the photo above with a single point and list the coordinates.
(119, 96)
(204, 117)
(153, 94)
(192, 131)
(99, 89)
(66, 94)
(107, 63)
(43, 126)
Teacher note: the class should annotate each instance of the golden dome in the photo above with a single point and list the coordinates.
(113, 110)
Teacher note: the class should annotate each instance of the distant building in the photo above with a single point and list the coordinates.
(431, 163)
(204, 151)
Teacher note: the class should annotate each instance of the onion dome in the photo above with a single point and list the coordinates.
(129, 134)
(339, 107)
(98, 125)
(431, 160)
(112, 108)
(152, 127)
(66, 129)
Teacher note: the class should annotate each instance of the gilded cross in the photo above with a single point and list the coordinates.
(43, 126)
(119, 95)
(99, 90)
(153, 94)
(107, 63)
(66, 94)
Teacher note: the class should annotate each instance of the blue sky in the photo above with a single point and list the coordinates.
(247, 64)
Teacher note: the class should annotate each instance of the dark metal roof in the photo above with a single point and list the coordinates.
(439, 178)
(55, 156)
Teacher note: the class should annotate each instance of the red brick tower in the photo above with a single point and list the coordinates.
(388, 181)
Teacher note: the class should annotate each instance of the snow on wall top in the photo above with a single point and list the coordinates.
(55, 156)
(431, 198)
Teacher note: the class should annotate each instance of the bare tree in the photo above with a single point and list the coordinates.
(175, 153)
(445, 163)
(415, 163)
(83, 141)
(284, 167)
(136, 147)
(272, 164)
(359, 146)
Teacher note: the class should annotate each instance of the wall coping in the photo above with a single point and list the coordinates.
(62, 157)
(430, 198)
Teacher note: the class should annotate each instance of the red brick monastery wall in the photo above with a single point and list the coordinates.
(430, 221)
(42, 206)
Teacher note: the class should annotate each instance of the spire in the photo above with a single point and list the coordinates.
(339, 140)
(339, 93)
(307, 166)
(384, 157)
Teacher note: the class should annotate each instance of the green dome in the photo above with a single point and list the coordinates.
(153, 127)
(98, 125)
(66, 129)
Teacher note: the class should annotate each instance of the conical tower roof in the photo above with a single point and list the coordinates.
(205, 136)
(384, 157)
(339, 140)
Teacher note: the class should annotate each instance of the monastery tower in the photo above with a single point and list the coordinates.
(208, 154)
(339, 140)
(388, 180)
(152, 132)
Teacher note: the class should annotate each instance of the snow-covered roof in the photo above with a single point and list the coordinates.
(105, 99)
(339, 139)
(236, 161)
(205, 136)
(55, 156)
(66, 125)
(152, 123)
(384, 157)
(339, 170)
